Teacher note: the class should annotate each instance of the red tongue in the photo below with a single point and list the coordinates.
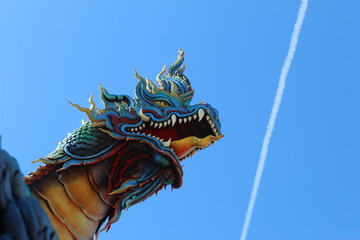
(185, 146)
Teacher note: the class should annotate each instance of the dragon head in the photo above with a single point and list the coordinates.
(160, 116)
(146, 136)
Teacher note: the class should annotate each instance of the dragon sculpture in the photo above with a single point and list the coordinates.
(125, 153)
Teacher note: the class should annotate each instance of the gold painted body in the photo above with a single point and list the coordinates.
(75, 199)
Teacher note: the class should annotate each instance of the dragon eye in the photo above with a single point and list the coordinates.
(162, 103)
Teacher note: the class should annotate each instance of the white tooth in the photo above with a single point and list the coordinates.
(143, 125)
(165, 123)
(156, 124)
(173, 119)
(151, 123)
(214, 131)
(195, 116)
(201, 114)
(140, 127)
(135, 129)
(212, 125)
(207, 117)
(185, 120)
(189, 118)
(143, 117)
(180, 120)
(169, 121)
(167, 144)
(160, 125)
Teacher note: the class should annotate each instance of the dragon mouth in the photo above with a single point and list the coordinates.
(183, 134)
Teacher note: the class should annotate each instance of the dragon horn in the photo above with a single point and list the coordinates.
(158, 77)
(137, 76)
(177, 63)
(92, 103)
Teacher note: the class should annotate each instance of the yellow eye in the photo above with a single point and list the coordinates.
(162, 103)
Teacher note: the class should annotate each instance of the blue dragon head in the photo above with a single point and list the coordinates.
(146, 136)
(160, 116)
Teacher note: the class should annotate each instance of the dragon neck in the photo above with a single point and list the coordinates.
(75, 212)
(79, 198)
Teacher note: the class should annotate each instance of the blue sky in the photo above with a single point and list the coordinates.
(51, 52)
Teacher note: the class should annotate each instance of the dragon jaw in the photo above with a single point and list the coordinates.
(184, 134)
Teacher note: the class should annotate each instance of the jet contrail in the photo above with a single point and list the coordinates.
(274, 112)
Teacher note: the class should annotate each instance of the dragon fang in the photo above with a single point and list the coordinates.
(125, 153)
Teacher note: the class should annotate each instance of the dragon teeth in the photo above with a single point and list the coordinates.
(167, 144)
(143, 117)
(201, 114)
(173, 119)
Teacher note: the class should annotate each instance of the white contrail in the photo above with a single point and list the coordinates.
(274, 112)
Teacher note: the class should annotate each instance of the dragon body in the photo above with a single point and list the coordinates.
(125, 153)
